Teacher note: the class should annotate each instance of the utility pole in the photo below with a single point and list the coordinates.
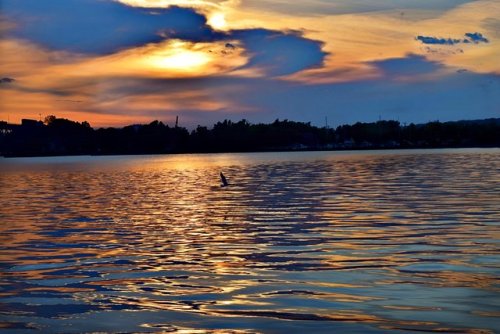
(176, 121)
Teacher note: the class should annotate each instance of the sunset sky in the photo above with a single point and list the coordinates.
(119, 62)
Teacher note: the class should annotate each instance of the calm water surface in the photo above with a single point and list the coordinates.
(323, 242)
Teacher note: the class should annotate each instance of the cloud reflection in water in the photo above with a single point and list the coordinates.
(352, 242)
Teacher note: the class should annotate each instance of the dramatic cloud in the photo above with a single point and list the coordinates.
(280, 53)
(113, 62)
(105, 27)
(469, 38)
(94, 26)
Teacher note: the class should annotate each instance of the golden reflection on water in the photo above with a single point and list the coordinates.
(326, 241)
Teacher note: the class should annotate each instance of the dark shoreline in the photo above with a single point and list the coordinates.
(62, 137)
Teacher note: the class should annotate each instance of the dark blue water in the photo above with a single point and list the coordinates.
(352, 242)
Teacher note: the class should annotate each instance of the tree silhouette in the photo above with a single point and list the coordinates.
(59, 136)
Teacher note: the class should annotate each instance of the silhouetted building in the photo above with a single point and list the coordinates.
(31, 123)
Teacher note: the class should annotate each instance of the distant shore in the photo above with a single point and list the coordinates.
(60, 137)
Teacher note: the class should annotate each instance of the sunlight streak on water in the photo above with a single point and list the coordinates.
(319, 241)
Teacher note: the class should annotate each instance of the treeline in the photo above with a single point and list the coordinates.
(58, 136)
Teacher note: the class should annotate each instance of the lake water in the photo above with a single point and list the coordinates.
(319, 242)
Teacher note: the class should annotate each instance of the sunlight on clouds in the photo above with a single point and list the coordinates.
(166, 3)
(355, 40)
(217, 21)
(18, 104)
(29, 104)
(183, 3)
(182, 61)
(173, 59)
(177, 58)
(354, 43)
(159, 102)
(480, 58)
(214, 10)
(76, 86)
(167, 105)
(351, 40)
(335, 73)
(169, 59)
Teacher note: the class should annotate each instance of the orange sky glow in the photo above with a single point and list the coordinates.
(244, 50)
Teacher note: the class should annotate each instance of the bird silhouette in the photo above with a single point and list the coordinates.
(223, 180)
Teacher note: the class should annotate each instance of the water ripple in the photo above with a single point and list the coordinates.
(351, 242)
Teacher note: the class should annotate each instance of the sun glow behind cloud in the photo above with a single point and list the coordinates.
(254, 43)
(182, 61)
(173, 59)
(354, 37)
(82, 86)
(218, 21)
(167, 3)
(214, 10)
(176, 57)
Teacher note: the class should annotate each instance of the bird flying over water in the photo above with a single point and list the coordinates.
(223, 180)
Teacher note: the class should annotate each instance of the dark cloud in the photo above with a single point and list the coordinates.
(6, 80)
(408, 66)
(474, 37)
(95, 26)
(437, 40)
(102, 27)
(280, 53)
